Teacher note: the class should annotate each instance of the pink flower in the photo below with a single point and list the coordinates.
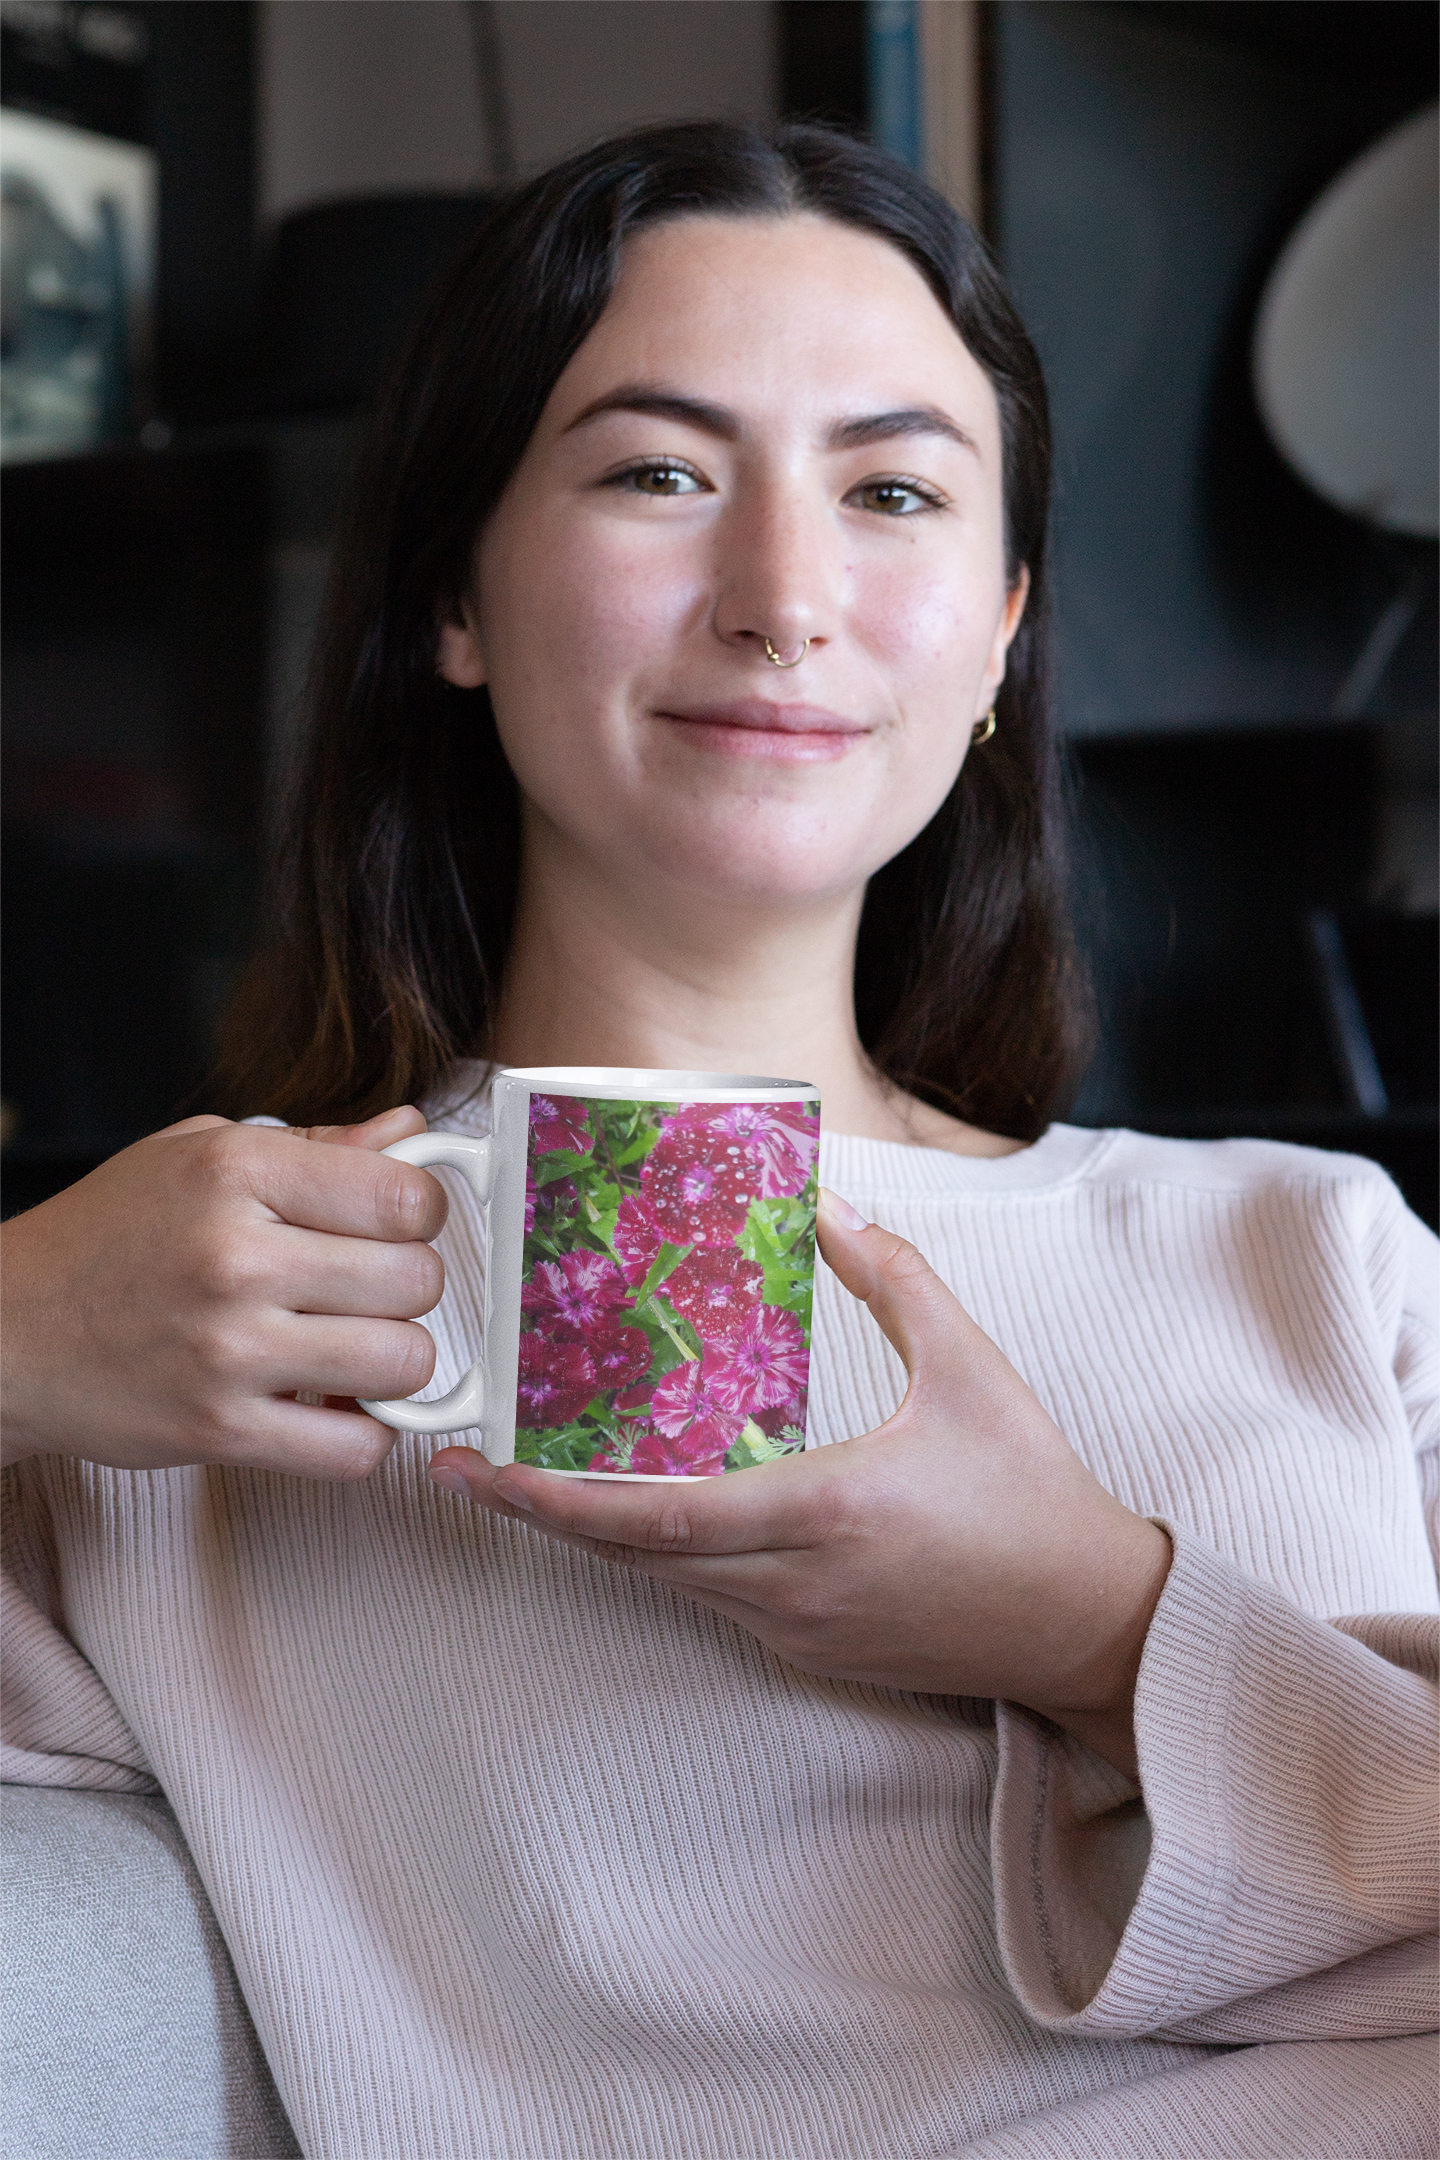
(560, 1121)
(619, 1354)
(529, 1199)
(716, 1291)
(765, 1366)
(655, 1456)
(556, 1381)
(558, 1198)
(774, 1421)
(685, 1407)
(698, 1184)
(569, 1295)
(637, 1241)
(783, 1138)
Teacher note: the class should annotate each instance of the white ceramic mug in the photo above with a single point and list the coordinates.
(650, 1263)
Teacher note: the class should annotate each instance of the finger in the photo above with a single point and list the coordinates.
(374, 1359)
(317, 1185)
(190, 1124)
(914, 1308)
(774, 1506)
(741, 1585)
(380, 1131)
(333, 1443)
(308, 1271)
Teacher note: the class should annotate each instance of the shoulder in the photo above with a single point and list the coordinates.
(1242, 1168)
(1310, 1194)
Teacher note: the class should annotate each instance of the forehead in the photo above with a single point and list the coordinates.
(777, 315)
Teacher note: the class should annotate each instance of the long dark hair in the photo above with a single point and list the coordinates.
(399, 875)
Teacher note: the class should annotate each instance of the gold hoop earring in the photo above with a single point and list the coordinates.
(983, 729)
(775, 660)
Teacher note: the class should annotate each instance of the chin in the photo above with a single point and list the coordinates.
(749, 866)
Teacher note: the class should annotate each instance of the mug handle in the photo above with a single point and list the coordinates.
(464, 1405)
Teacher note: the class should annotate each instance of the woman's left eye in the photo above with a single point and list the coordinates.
(897, 498)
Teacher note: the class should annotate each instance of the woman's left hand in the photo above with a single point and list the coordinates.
(962, 1548)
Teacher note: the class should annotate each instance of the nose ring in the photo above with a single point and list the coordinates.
(775, 660)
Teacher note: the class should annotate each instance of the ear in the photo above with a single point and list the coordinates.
(459, 658)
(1005, 629)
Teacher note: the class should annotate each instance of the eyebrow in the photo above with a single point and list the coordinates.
(660, 403)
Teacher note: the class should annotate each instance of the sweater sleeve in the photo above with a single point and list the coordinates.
(60, 1722)
(1272, 1877)
(1277, 1880)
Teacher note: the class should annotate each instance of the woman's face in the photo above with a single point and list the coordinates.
(772, 432)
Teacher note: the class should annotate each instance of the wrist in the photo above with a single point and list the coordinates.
(1097, 1704)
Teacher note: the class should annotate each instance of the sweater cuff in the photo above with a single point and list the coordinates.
(1137, 1969)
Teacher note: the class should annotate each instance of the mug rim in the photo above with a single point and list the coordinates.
(639, 1083)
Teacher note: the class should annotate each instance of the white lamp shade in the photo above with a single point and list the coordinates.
(1346, 341)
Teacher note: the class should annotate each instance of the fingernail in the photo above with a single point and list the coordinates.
(511, 1497)
(849, 1218)
(452, 1479)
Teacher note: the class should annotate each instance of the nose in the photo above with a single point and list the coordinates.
(779, 575)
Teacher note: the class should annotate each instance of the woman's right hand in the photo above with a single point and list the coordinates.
(168, 1308)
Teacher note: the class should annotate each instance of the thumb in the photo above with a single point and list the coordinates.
(916, 1312)
(378, 1132)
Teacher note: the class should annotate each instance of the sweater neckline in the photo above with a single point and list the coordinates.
(1062, 1154)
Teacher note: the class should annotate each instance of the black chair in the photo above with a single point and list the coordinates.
(340, 285)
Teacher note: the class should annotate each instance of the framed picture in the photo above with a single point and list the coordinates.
(77, 275)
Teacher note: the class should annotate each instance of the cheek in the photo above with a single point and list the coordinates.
(928, 625)
(576, 607)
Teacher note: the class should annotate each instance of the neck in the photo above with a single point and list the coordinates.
(598, 975)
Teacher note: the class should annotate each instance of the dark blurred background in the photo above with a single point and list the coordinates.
(1247, 671)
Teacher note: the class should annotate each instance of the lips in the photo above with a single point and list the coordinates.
(756, 727)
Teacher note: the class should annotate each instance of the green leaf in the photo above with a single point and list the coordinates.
(560, 1163)
(668, 1257)
(564, 1447)
(755, 1446)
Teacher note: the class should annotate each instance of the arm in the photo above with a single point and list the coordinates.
(165, 1311)
(1278, 1880)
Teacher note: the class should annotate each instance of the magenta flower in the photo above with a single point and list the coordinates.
(570, 1295)
(765, 1366)
(556, 1381)
(773, 1422)
(782, 1137)
(716, 1291)
(619, 1354)
(698, 1184)
(684, 1407)
(559, 1197)
(637, 1241)
(655, 1456)
(560, 1121)
(529, 1199)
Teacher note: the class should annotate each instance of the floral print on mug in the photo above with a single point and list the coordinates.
(666, 1284)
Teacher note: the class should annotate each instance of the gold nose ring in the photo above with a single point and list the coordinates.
(775, 660)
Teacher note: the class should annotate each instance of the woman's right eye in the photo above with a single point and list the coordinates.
(661, 478)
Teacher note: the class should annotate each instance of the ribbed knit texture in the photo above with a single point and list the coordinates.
(523, 1857)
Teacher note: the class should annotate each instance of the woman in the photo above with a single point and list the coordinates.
(978, 1786)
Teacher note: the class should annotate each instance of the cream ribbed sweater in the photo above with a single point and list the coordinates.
(520, 1856)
